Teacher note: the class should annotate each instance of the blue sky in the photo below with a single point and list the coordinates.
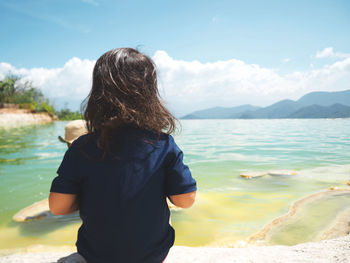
(281, 36)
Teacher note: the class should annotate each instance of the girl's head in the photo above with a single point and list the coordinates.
(124, 92)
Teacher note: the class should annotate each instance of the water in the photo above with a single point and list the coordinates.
(228, 207)
(311, 217)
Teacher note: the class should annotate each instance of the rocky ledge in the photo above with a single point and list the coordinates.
(11, 118)
(333, 250)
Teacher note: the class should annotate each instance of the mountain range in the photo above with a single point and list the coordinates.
(312, 105)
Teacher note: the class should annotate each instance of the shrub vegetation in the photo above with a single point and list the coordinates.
(24, 94)
(67, 114)
(31, 98)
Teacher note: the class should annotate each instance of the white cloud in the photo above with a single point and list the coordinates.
(286, 60)
(191, 85)
(329, 53)
(72, 81)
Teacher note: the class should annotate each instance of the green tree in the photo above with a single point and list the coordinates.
(67, 114)
(8, 88)
(24, 94)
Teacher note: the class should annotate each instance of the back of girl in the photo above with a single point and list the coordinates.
(119, 175)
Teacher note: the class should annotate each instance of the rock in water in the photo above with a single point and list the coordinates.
(282, 172)
(249, 175)
(35, 211)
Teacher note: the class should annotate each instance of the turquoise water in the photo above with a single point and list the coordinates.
(228, 207)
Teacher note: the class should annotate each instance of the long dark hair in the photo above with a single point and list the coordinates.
(125, 93)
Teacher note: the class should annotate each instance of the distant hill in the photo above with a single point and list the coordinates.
(221, 112)
(317, 111)
(323, 98)
(312, 105)
(278, 110)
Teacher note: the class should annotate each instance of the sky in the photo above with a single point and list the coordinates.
(208, 53)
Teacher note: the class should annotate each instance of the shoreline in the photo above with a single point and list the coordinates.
(332, 250)
(336, 228)
(14, 118)
(184, 249)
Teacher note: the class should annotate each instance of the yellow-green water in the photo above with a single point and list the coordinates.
(309, 219)
(228, 208)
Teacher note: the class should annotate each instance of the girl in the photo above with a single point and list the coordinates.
(119, 175)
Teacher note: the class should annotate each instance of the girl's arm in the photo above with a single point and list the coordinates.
(62, 204)
(183, 200)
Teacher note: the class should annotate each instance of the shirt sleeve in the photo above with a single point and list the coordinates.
(68, 180)
(178, 178)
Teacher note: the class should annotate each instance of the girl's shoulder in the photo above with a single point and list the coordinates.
(83, 141)
(85, 145)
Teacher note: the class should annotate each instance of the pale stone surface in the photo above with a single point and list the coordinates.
(335, 250)
(338, 227)
(11, 120)
(249, 175)
(328, 251)
(35, 211)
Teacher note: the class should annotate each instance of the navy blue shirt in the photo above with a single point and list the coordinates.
(125, 216)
